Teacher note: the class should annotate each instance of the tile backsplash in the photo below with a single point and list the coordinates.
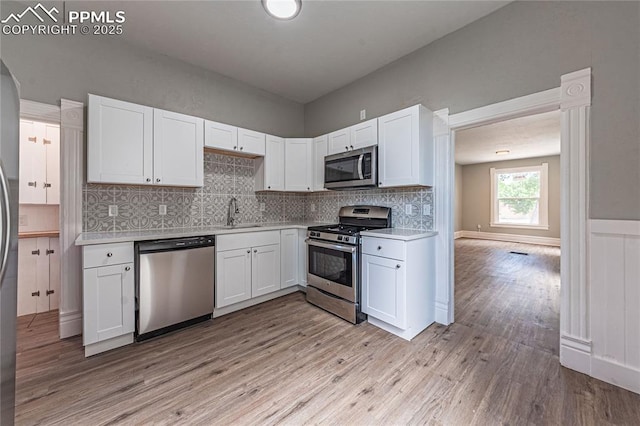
(226, 177)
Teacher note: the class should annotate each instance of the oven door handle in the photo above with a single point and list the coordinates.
(339, 247)
(360, 159)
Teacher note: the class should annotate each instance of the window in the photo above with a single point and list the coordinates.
(519, 197)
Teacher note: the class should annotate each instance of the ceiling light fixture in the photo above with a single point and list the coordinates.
(503, 152)
(282, 9)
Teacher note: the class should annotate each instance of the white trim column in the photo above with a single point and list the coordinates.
(575, 339)
(443, 216)
(71, 180)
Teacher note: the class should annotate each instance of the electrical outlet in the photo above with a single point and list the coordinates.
(162, 210)
(262, 207)
(363, 114)
(23, 220)
(408, 208)
(479, 227)
(113, 210)
(426, 210)
(313, 207)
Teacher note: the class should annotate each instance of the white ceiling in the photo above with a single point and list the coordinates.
(526, 137)
(330, 44)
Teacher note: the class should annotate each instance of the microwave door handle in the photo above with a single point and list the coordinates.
(360, 166)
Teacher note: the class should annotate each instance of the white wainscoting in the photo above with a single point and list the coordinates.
(614, 258)
(513, 238)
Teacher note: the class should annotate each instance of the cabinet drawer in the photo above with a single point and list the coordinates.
(392, 249)
(107, 254)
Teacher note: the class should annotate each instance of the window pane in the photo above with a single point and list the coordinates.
(523, 211)
(519, 185)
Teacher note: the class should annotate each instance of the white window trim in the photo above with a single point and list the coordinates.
(544, 197)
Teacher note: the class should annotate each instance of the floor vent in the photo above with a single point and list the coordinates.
(520, 253)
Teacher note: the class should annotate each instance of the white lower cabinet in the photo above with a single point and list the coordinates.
(289, 259)
(109, 296)
(398, 284)
(38, 275)
(247, 266)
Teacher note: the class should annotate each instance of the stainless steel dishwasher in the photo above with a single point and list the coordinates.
(175, 284)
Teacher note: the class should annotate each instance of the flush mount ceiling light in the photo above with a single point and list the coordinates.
(282, 9)
(503, 152)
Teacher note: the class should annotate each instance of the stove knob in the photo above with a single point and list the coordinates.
(339, 237)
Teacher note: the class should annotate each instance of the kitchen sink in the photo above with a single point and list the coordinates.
(241, 226)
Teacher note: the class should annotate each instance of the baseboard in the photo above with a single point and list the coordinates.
(70, 324)
(218, 312)
(620, 375)
(458, 234)
(442, 313)
(512, 238)
(575, 354)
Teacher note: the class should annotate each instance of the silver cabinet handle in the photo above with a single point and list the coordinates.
(36, 252)
(248, 251)
(48, 252)
(157, 179)
(235, 147)
(255, 251)
(6, 224)
(268, 187)
(351, 146)
(32, 139)
(148, 179)
(48, 292)
(241, 148)
(397, 266)
(34, 183)
(127, 268)
(46, 142)
(379, 247)
(346, 148)
(109, 254)
(35, 293)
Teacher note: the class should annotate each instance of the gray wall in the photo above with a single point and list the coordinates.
(53, 67)
(476, 196)
(520, 49)
(457, 224)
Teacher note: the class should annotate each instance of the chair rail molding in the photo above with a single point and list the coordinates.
(71, 179)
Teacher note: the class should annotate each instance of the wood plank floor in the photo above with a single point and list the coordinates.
(287, 362)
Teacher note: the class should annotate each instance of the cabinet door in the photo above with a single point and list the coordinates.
(319, 152)
(364, 134)
(274, 164)
(265, 270)
(340, 141)
(250, 142)
(220, 136)
(384, 290)
(109, 304)
(33, 163)
(54, 273)
(178, 144)
(398, 157)
(119, 142)
(289, 262)
(298, 156)
(27, 276)
(233, 277)
(51, 142)
(42, 273)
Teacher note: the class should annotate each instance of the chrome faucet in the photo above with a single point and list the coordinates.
(232, 211)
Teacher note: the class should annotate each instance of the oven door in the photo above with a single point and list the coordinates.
(333, 268)
(354, 169)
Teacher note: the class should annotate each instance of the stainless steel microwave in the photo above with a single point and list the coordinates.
(352, 169)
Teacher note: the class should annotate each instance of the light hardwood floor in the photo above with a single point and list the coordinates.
(287, 362)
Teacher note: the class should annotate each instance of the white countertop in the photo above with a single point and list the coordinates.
(87, 238)
(399, 234)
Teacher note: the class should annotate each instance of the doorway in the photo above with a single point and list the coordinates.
(39, 222)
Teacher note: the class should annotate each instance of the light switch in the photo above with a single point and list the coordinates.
(363, 114)
(113, 210)
(162, 210)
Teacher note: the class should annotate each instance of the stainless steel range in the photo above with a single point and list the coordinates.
(334, 253)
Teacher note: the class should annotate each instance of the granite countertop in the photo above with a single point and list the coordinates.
(88, 238)
(399, 234)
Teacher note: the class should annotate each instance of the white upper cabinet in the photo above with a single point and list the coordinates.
(319, 152)
(39, 163)
(135, 144)
(270, 169)
(177, 149)
(220, 136)
(120, 142)
(405, 148)
(340, 141)
(364, 134)
(298, 170)
(251, 142)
